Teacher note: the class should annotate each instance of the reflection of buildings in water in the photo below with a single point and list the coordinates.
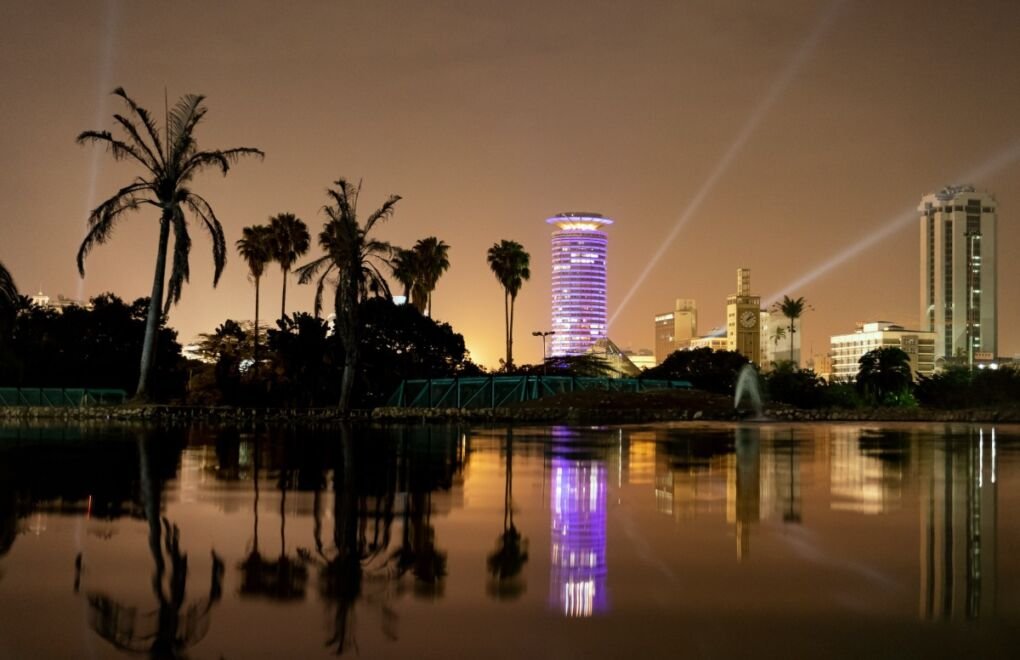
(958, 507)
(864, 479)
(578, 510)
(757, 477)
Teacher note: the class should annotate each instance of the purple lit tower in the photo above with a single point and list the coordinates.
(578, 568)
(578, 282)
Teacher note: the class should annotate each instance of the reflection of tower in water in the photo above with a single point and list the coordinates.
(744, 501)
(958, 493)
(578, 540)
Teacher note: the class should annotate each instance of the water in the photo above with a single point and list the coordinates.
(747, 384)
(712, 540)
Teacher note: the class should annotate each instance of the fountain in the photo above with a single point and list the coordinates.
(747, 383)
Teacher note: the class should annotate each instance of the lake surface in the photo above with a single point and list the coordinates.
(455, 542)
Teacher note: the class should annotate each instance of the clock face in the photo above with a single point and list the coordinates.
(748, 319)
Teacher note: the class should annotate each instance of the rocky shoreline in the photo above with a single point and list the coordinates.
(514, 414)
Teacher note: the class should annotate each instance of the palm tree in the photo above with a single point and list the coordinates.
(256, 248)
(8, 292)
(290, 241)
(431, 260)
(405, 270)
(356, 258)
(507, 562)
(510, 263)
(791, 308)
(169, 160)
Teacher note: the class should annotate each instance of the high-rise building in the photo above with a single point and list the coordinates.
(675, 330)
(743, 316)
(578, 282)
(958, 282)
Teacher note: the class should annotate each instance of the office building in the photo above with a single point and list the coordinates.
(578, 282)
(846, 350)
(743, 319)
(675, 330)
(958, 272)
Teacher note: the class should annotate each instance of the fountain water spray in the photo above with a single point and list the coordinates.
(757, 115)
(747, 383)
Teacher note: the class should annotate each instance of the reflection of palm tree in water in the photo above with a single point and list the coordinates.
(418, 552)
(285, 578)
(506, 563)
(342, 569)
(178, 625)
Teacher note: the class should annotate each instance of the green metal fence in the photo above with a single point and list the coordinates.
(497, 391)
(60, 397)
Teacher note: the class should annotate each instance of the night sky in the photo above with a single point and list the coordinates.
(813, 124)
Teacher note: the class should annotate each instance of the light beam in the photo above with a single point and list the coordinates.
(993, 165)
(104, 80)
(789, 72)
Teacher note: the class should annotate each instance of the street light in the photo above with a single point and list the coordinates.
(543, 335)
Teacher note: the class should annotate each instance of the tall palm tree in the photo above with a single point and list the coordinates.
(404, 265)
(356, 258)
(432, 260)
(8, 292)
(791, 308)
(169, 161)
(290, 241)
(256, 248)
(511, 266)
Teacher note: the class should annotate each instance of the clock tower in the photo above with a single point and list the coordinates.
(743, 316)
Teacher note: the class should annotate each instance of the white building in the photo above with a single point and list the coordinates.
(958, 272)
(775, 339)
(674, 330)
(846, 350)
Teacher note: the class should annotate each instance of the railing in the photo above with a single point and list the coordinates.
(59, 397)
(497, 391)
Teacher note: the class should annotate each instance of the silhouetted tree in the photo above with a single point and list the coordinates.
(705, 369)
(356, 258)
(290, 241)
(8, 291)
(169, 161)
(404, 265)
(256, 248)
(884, 375)
(792, 309)
(431, 258)
(511, 265)
(507, 562)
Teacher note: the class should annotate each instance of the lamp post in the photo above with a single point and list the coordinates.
(543, 334)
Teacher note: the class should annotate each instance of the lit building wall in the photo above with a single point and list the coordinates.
(958, 271)
(743, 319)
(675, 330)
(579, 249)
(846, 350)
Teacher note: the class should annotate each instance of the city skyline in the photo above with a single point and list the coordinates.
(642, 112)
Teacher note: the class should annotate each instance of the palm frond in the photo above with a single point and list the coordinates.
(200, 207)
(382, 213)
(319, 286)
(187, 112)
(146, 118)
(307, 272)
(7, 288)
(180, 270)
(118, 148)
(103, 218)
(201, 160)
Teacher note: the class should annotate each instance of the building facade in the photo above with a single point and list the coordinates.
(675, 330)
(775, 339)
(743, 319)
(579, 247)
(846, 350)
(958, 272)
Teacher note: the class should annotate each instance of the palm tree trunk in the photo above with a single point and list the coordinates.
(510, 335)
(506, 327)
(155, 311)
(791, 340)
(255, 336)
(283, 301)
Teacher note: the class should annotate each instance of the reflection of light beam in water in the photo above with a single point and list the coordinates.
(1000, 161)
(104, 78)
(785, 78)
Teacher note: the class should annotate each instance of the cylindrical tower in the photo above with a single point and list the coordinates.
(578, 281)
